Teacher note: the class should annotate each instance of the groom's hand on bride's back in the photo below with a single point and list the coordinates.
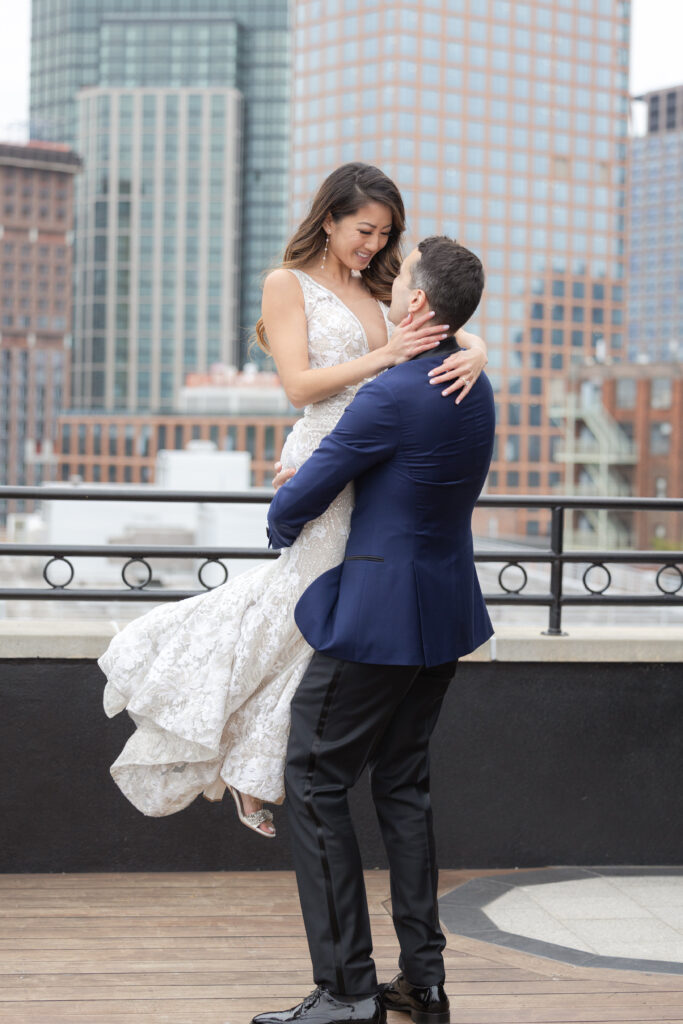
(282, 475)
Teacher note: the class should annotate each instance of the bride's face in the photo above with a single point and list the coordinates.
(355, 239)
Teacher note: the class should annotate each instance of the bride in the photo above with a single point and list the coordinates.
(208, 680)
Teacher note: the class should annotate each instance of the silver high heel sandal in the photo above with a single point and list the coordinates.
(255, 819)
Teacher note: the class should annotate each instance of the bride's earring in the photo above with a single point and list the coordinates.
(327, 242)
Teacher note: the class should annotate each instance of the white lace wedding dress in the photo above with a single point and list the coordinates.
(208, 681)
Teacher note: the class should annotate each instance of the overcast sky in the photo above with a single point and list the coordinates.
(656, 56)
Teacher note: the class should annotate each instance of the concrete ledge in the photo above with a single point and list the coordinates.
(55, 638)
(88, 639)
(654, 644)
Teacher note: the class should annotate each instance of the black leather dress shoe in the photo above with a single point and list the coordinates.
(426, 1005)
(321, 1007)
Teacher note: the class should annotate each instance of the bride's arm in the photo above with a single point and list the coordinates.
(284, 320)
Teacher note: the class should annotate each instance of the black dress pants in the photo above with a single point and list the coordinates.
(346, 716)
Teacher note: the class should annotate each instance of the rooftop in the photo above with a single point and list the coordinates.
(213, 947)
(41, 156)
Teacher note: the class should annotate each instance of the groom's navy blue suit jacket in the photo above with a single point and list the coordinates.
(407, 591)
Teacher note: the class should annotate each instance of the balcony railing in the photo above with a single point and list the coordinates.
(592, 452)
(667, 566)
(614, 489)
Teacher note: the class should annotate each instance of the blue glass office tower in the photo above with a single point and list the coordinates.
(131, 44)
(655, 292)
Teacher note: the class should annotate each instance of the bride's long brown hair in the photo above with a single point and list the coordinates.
(341, 195)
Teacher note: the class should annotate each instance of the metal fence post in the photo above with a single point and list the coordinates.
(556, 572)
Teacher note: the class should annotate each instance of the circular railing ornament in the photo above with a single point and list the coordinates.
(137, 586)
(524, 581)
(202, 567)
(608, 580)
(58, 586)
(670, 567)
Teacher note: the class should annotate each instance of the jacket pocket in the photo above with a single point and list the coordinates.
(363, 558)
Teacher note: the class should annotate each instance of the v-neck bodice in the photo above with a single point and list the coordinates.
(335, 335)
(383, 308)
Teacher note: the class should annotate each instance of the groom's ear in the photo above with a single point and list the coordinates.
(418, 302)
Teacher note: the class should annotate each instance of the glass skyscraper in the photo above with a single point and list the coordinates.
(655, 293)
(157, 251)
(129, 44)
(503, 124)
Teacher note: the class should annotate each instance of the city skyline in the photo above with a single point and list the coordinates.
(655, 57)
(503, 124)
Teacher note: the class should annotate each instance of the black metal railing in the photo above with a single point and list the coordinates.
(666, 565)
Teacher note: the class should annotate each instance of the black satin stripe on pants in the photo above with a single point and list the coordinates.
(346, 716)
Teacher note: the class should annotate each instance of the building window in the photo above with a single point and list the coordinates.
(660, 487)
(660, 438)
(512, 448)
(626, 393)
(660, 393)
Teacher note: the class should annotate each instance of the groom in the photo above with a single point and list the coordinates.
(388, 626)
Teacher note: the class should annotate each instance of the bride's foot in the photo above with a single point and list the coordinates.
(251, 806)
(253, 814)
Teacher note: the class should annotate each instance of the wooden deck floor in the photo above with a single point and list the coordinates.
(193, 948)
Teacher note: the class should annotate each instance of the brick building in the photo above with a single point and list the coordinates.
(623, 438)
(36, 219)
(236, 411)
(123, 448)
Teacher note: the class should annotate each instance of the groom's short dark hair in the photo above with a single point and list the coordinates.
(451, 277)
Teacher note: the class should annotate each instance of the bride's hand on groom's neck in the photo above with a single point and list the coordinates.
(463, 367)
